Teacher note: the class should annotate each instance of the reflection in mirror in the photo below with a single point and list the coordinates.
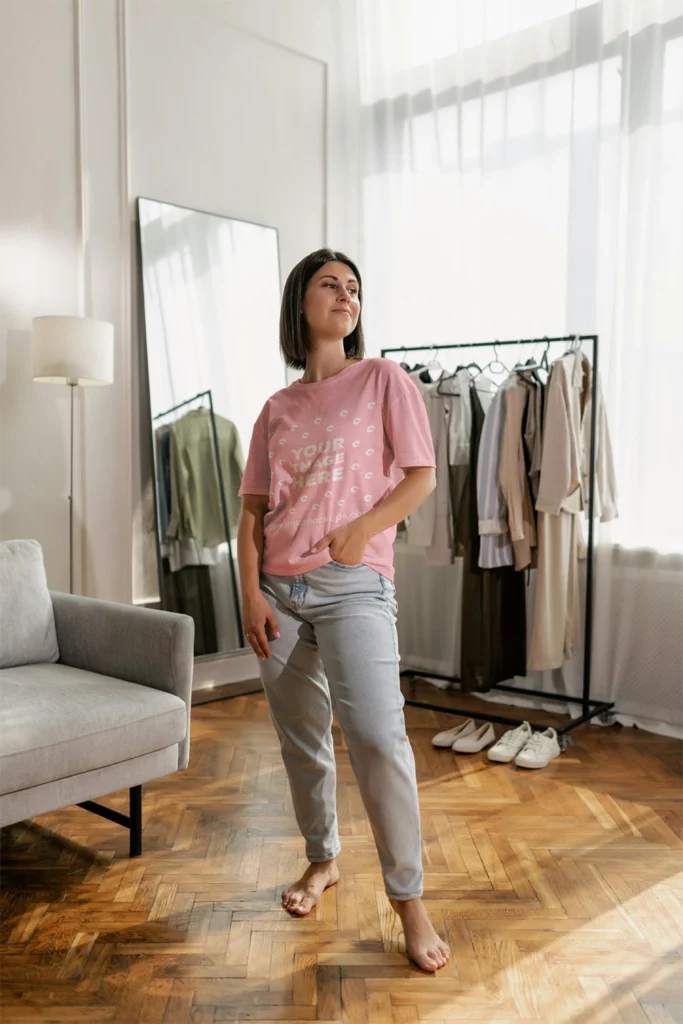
(212, 290)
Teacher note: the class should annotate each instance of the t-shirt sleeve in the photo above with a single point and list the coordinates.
(256, 476)
(406, 423)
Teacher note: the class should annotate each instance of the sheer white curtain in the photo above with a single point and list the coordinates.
(521, 176)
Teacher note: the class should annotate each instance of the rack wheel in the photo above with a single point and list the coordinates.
(607, 717)
(565, 741)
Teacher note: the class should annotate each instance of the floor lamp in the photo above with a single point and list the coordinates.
(78, 352)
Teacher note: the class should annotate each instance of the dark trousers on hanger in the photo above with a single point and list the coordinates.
(493, 616)
(188, 591)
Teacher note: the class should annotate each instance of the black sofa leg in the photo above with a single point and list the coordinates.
(135, 821)
(132, 821)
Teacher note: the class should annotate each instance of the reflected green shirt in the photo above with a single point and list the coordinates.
(196, 508)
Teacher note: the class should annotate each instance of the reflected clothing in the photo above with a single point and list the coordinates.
(189, 592)
(493, 600)
(196, 506)
(163, 454)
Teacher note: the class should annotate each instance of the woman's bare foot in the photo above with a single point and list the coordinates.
(423, 945)
(302, 896)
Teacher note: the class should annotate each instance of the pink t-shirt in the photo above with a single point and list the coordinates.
(327, 452)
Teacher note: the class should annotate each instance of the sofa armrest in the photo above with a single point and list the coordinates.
(140, 645)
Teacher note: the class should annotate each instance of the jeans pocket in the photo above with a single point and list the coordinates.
(389, 592)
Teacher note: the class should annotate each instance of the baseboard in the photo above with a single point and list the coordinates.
(223, 691)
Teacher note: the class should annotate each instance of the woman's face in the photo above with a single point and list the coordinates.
(331, 304)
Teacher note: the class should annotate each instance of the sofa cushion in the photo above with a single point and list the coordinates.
(27, 622)
(57, 721)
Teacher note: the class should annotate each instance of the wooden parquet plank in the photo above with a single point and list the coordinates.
(354, 1001)
(493, 866)
(328, 992)
(560, 892)
(304, 988)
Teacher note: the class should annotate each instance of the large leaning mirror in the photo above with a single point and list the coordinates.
(212, 289)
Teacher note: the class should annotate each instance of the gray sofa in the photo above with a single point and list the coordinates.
(94, 696)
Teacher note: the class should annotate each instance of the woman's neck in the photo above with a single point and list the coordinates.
(319, 368)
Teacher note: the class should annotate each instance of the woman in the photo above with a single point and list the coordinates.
(336, 460)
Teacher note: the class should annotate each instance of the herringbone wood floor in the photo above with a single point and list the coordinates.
(560, 891)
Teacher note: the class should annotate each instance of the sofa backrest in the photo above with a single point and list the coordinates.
(27, 621)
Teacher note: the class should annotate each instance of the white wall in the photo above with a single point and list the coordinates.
(231, 106)
(39, 217)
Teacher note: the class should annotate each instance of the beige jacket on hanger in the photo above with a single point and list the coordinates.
(512, 475)
(566, 444)
(562, 496)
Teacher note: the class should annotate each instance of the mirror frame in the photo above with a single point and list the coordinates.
(146, 414)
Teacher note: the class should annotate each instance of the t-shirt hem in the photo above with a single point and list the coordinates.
(293, 570)
(252, 490)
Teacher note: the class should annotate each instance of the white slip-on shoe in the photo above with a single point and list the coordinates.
(539, 751)
(510, 743)
(448, 738)
(476, 741)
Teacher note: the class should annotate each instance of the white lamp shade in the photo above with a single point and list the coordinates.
(73, 350)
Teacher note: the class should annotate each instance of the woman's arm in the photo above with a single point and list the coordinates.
(250, 541)
(256, 610)
(418, 484)
(350, 540)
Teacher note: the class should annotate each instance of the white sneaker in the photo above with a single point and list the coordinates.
(510, 743)
(448, 738)
(539, 751)
(484, 736)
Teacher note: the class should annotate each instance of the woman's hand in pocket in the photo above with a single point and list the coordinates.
(257, 613)
(347, 543)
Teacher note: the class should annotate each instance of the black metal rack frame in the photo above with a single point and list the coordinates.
(224, 506)
(591, 708)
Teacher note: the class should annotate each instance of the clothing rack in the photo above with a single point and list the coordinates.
(224, 506)
(590, 708)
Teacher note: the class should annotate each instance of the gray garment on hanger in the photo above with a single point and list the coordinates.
(430, 525)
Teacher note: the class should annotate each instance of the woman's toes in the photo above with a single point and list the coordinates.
(298, 903)
(438, 956)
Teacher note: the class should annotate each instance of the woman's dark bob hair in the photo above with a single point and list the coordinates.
(293, 325)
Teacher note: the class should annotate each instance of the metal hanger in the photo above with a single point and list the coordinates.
(492, 363)
(450, 376)
(434, 365)
(533, 367)
(404, 355)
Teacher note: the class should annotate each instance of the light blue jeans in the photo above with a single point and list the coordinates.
(338, 650)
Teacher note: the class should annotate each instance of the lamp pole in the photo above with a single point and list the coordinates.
(72, 387)
(78, 352)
